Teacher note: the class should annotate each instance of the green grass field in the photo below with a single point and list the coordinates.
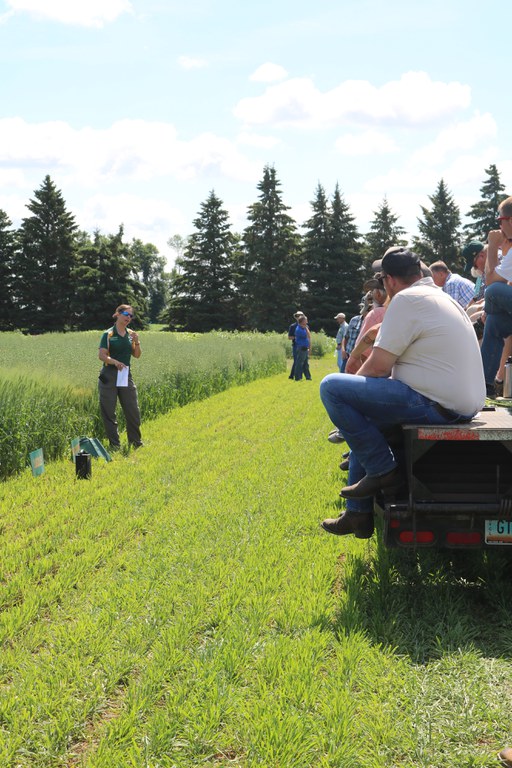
(48, 383)
(183, 608)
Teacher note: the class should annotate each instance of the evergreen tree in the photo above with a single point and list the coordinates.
(484, 212)
(45, 260)
(384, 233)
(106, 276)
(270, 273)
(151, 268)
(202, 294)
(330, 254)
(439, 230)
(8, 315)
(347, 253)
(319, 274)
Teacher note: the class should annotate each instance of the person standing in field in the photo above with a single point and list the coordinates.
(291, 337)
(343, 325)
(303, 349)
(117, 347)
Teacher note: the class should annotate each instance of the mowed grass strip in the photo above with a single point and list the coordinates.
(183, 607)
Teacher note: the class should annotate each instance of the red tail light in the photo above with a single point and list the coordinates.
(418, 537)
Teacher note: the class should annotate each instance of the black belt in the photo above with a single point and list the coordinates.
(455, 418)
(303, 347)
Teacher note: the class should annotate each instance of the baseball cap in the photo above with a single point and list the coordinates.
(400, 262)
(470, 251)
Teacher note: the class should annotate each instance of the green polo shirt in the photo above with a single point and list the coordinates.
(120, 346)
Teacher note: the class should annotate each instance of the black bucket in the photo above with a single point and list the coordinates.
(83, 469)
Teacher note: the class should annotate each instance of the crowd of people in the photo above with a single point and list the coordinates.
(427, 347)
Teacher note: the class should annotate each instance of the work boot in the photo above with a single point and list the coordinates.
(345, 464)
(370, 484)
(506, 757)
(358, 523)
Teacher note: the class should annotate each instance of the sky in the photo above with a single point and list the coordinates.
(138, 109)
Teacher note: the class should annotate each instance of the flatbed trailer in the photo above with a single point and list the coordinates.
(458, 489)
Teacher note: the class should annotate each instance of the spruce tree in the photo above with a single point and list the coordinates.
(347, 253)
(270, 273)
(329, 245)
(45, 260)
(484, 212)
(8, 313)
(202, 293)
(440, 230)
(384, 233)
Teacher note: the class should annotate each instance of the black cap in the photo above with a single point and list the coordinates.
(470, 252)
(400, 262)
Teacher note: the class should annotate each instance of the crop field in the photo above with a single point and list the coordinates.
(48, 383)
(184, 608)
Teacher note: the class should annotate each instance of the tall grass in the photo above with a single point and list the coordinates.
(48, 383)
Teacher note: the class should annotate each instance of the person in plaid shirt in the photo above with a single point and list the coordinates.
(459, 288)
(351, 333)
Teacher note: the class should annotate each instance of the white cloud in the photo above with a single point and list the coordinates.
(149, 219)
(256, 140)
(188, 62)
(128, 149)
(87, 13)
(413, 100)
(458, 137)
(269, 73)
(366, 143)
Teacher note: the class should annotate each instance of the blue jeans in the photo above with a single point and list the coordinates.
(363, 408)
(294, 355)
(301, 364)
(498, 325)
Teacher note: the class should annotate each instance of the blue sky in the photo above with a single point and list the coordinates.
(139, 108)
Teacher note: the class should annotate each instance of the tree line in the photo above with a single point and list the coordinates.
(56, 277)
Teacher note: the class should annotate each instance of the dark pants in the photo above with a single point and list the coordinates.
(294, 353)
(301, 365)
(109, 392)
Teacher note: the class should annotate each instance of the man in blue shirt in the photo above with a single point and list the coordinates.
(291, 336)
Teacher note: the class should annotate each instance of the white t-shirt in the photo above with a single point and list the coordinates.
(504, 268)
(437, 348)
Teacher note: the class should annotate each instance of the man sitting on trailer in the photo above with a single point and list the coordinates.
(425, 368)
(498, 294)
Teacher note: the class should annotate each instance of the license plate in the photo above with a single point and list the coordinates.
(498, 531)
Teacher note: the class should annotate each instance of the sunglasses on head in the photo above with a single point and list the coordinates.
(125, 313)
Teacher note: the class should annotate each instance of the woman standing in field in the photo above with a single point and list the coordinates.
(117, 346)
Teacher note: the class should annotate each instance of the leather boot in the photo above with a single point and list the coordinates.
(358, 523)
(370, 484)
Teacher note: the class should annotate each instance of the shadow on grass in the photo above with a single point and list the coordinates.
(427, 603)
